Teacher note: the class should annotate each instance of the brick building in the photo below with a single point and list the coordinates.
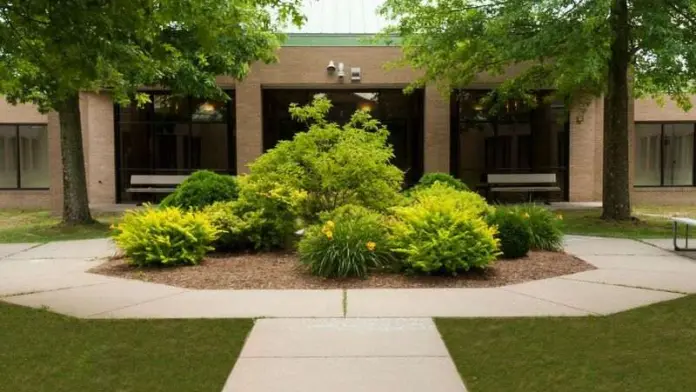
(430, 131)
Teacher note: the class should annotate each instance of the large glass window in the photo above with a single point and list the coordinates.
(401, 114)
(173, 135)
(515, 138)
(664, 154)
(24, 157)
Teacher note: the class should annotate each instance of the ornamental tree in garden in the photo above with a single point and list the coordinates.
(51, 50)
(579, 48)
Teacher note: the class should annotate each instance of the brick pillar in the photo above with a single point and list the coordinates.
(583, 161)
(100, 149)
(249, 124)
(436, 138)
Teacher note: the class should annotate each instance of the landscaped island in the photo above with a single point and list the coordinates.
(327, 210)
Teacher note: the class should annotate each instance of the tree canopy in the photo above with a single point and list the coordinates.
(51, 50)
(578, 48)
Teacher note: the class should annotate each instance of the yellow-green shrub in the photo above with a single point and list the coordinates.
(233, 230)
(164, 236)
(443, 232)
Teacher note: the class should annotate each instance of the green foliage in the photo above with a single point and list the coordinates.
(349, 246)
(443, 231)
(233, 230)
(513, 231)
(545, 226)
(53, 49)
(466, 202)
(164, 236)
(429, 179)
(268, 213)
(201, 189)
(564, 47)
(331, 165)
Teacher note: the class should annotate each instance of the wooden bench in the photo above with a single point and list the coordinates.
(687, 222)
(522, 182)
(154, 183)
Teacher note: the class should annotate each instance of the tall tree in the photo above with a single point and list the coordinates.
(579, 48)
(51, 50)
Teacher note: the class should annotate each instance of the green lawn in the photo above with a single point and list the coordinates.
(588, 222)
(43, 351)
(647, 349)
(42, 226)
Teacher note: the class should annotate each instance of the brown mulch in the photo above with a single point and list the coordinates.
(284, 271)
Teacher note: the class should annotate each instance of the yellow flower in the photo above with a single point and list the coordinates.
(330, 224)
(559, 216)
(329, 234)
(371, 246)
(526, 215)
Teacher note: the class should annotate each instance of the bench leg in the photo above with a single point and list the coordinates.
(686, 245)
(674, 235)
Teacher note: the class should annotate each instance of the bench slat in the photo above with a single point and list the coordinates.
(526, 189)
(150, 190)
(522, 178)
(686, 221)
(147, 179)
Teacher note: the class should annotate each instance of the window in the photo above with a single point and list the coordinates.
(173, 135)
(24, 157)
(401, 114)
(664, 154)
(514, 138)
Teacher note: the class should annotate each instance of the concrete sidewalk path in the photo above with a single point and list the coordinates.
(629, 274)
(344, 355)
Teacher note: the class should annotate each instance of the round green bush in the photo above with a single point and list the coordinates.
(201, 189)
(164, 236)
(349, 246)
(429, 179)
(514, 233)
(443, 232)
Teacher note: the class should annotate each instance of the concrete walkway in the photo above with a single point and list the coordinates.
(345, 340)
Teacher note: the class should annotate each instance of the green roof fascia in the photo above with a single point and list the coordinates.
(299, 39)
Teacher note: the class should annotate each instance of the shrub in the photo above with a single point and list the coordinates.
(202, 188)
(544, 225)
(164, 236)
(269, 214)
(429, 179)
(513, 232)
(443, 232)
(332, 165)
(233, 230)
(349, 246)
(466, 202)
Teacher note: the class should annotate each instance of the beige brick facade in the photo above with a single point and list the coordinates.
(305, 67)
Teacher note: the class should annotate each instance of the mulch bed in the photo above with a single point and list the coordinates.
(284, 271)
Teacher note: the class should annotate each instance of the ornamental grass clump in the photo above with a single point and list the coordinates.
(545, 226)
(164, 236)
(443, 231)
(350, 246)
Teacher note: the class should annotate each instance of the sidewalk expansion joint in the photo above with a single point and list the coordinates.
(591, 313)
(137, 304)
(50, 290)
(627, 286)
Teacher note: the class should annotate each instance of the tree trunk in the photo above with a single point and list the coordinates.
(75, 201)
(615, 190)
